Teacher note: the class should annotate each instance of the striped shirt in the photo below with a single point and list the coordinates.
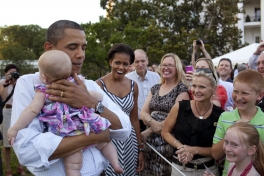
(228, 118)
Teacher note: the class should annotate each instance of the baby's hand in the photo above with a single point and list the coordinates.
(11, 135)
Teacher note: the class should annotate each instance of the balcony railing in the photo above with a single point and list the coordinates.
(248, 19)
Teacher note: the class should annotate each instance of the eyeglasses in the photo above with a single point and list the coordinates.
(206, 70)
(165, 65)
(258, 63)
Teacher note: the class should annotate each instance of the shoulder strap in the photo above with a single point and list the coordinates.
(10, 95)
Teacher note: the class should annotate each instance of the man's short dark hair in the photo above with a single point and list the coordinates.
(10, 66)
(226, 59)
(56, 31)
(122, 48)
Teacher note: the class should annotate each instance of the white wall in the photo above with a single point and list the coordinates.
(250, 34)
(250, 6)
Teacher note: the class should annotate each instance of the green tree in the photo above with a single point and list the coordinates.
(21, 45)
(162, 26)
(30, 37)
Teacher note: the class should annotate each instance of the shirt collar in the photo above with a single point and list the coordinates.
(258, 118)
(145, 78)
(255, 120)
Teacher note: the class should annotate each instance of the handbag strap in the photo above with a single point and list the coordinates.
(10, 95)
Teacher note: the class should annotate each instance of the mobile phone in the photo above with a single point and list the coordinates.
(189, 68)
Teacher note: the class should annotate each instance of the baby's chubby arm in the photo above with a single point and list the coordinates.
(26, 116)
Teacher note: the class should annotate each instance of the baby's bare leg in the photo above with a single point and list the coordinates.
(109, 151)
(73, 164)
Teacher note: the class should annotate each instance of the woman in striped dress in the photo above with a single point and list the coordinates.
(124, 92)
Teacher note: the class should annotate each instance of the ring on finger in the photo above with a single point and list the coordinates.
(61, 94)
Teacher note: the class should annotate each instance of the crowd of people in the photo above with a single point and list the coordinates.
(172, 118)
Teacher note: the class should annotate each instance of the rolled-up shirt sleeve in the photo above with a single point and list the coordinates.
(251, 62)
(32, 147)
(120, 134)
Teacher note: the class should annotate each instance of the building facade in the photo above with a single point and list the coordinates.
(251, 21)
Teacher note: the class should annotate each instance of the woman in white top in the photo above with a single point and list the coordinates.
(6, 87)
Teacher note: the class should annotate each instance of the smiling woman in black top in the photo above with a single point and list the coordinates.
(190, 127)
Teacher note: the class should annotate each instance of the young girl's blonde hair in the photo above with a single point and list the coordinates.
(250, 136)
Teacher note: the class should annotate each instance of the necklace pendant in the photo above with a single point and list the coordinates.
(201, 117)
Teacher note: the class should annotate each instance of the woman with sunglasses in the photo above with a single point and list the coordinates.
(190, 126)
(220, 97)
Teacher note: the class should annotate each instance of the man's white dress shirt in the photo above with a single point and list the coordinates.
(33, 148)
(252, 61)
(144, 86)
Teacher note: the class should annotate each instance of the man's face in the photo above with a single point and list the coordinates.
(260, 64)
(141, 62)
(224, 68)
(74, 44)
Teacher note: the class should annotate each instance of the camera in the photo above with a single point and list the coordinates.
(198, 42)
(14, 75)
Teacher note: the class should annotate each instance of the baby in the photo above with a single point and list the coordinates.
(62, 119)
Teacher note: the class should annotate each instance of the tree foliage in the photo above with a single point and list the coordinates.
(21, 45)
(163, 26)
(156, 26)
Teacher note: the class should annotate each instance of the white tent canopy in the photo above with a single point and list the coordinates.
(239, 56)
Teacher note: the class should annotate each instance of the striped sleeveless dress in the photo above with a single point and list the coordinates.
(127, 151)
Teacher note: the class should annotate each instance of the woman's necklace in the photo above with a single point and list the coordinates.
(201, 116)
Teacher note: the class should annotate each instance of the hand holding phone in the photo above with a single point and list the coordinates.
(189, 68)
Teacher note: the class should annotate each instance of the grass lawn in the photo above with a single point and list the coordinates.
(13, 163)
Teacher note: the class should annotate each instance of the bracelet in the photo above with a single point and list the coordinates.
(141, 145)
(141, 150)
(175, 143)
(149, 121)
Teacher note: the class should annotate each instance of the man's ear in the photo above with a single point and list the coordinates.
(260, 95)
(252, 150)
(48, 46)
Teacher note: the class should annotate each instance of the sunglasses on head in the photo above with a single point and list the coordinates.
(206, 70)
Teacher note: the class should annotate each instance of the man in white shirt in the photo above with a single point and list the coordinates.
(225, 69)
(254, 58)
(145, 80)
(42, 152)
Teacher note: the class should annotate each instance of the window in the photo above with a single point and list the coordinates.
(257, 14)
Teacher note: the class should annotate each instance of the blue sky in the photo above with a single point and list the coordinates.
(45, 12)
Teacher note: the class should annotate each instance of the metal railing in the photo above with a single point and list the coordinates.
(254, 18)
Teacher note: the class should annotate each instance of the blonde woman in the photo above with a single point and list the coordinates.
(161, 98)
(190, 127)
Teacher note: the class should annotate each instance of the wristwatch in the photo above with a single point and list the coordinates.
(99, 108)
